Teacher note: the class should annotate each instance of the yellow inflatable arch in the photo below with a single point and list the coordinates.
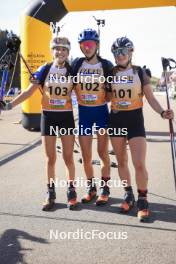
(35, 36)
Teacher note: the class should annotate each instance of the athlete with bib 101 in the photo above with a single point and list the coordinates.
(93, 110)
(129, 84)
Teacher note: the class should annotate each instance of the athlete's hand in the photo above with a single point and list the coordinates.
(4, 106)
(168, 114)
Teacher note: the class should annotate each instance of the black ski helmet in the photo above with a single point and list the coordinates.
(122, 42)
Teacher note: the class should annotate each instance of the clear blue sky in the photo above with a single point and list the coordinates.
(152, 30)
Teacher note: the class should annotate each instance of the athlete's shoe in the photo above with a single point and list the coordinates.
(72, 198)
(128, 202)
(50, 199)
(104, 192)
(143, 209)
(91, 192)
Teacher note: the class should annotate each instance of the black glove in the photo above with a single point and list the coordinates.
(5, 106)
(2, 105)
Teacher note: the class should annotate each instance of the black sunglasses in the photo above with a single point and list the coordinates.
(121, 51)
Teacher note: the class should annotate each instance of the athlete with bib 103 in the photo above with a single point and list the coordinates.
(129, 84)
(56, 114)
(93, 110)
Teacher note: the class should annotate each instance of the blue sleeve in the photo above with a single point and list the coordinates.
(39, 73)
(74, 62)
(110, 65)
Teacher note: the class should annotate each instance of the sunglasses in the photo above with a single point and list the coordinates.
(121, 51)
(88, 44)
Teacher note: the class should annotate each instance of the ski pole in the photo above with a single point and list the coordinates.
(28, 68)
(3, 83)
(165, 64)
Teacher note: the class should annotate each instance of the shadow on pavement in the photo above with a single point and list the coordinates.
(158, 140)
(158, 133)
(159, 212)
(158, 136)
(59, 206)
(21, 151)
(163, 212)
(13, 144)
(164, 197)
(11, 251)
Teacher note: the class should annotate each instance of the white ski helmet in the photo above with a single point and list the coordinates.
(60, 42)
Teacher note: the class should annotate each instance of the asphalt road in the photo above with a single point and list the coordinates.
(29, 235)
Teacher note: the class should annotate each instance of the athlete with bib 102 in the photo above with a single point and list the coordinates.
(56, 114)
(129, 84)
(92, 106)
